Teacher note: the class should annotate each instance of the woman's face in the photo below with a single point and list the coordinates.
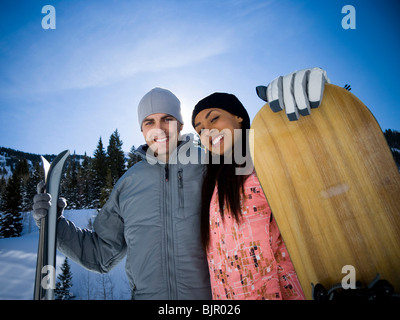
(218, 129)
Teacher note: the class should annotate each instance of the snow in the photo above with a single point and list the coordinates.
(3, 161)
(18, 265)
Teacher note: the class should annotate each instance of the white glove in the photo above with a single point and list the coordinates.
(42, 204)
(296, 92)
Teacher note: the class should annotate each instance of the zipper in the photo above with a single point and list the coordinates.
(166, 172)
(169, 235)
(180, 188)
(166, 228)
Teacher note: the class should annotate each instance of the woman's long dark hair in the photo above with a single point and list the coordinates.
(230, 188)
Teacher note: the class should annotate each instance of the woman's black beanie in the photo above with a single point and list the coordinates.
(225, 101)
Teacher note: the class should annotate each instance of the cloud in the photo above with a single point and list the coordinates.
(84, 53)
(101, 64)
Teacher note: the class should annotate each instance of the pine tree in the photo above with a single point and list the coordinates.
(64, 284)
(107, 188)
(116, 157)
(11, 219)
(70, 183)
(3, 184)
(35, 177)
(393, 140)
(99, 172)
(22, 171)
(85, 183)
(133, 157)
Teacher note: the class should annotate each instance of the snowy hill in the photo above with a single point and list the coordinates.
(9, 159)
(18, 264)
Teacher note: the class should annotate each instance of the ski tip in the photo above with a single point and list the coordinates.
(60, 159)
(44, 161)
(65, 152)
(62, 155)
(45, 166)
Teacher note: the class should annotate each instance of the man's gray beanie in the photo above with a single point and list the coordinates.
(159, 101)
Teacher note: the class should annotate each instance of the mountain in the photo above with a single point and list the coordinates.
(9, 159)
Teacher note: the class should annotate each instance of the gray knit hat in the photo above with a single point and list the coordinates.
(159, 100)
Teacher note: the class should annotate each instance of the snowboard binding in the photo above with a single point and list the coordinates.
(378, 289)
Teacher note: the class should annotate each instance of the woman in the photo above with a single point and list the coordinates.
(246, 255)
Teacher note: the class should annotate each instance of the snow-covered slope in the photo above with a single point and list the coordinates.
(18, 263)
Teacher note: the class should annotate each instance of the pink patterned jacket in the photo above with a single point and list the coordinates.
(249, 260)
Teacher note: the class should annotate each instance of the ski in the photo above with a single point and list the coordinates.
(46, 258)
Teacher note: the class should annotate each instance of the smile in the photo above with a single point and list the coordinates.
(217, 139)
(161, 140)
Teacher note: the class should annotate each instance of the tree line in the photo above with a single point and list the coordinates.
(87, 182)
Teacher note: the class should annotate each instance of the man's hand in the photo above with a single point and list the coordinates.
(296, 93)
(42, 204)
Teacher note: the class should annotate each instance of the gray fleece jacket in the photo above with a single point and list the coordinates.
(153, 217)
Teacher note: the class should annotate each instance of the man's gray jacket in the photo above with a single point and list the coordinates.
(153, 217)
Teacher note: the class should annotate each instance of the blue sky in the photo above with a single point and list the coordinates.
(64, 88)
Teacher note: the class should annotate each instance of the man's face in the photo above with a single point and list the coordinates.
(161, 132)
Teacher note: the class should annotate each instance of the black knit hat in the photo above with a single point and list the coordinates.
(225, 101)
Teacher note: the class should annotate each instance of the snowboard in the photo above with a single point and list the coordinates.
(46, 257)
(334, 190)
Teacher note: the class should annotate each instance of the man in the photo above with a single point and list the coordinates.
(152, 215)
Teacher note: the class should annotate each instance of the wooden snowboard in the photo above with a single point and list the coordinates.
(334, 190)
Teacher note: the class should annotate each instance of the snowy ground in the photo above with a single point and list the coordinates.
(18, 264)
